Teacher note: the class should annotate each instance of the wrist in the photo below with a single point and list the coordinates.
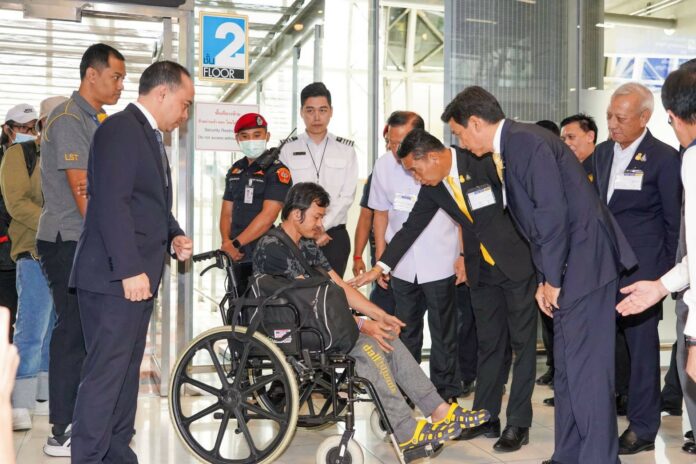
(357, 258)
(361, 323)
(236, 244)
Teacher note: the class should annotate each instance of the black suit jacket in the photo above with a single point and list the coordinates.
(576, 243)
(129, 226)
(649, 218)
(492, 225)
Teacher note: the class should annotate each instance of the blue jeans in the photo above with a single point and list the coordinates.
(35, 320)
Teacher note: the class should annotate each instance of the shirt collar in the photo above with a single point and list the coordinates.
(633, 146)
(150, 118)
(83, 104)
(309, 139)
(498, 136)
(454, 169)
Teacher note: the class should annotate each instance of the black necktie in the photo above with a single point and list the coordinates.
(163, 153)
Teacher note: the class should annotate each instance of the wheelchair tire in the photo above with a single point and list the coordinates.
(328, 450)
(378, 428)
(250, 432)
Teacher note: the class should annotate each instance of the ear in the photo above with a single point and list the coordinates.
(91, 74)
(162, 92)
(645, 117)
(296, 215)
(268, 136)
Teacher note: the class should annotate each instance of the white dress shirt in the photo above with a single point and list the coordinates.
(622, 158)
(498, 136)
(681, 275)
(331, 164)
(150, 118)
(435, 251)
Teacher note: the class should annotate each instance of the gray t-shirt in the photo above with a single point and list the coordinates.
(64, 145)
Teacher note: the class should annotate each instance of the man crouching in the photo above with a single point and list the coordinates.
(379, 355)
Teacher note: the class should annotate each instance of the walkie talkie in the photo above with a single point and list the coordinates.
(271, 154)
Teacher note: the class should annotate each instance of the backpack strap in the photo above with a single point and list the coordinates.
(296, 252)
(30, 155)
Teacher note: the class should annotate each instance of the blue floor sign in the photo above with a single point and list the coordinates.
(223, 48)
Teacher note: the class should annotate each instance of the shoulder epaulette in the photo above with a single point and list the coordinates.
(348, 142)
(290, 139)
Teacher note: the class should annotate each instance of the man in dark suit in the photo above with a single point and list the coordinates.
(579, 252)
(497, 263)
(638, 177)
(128, 231)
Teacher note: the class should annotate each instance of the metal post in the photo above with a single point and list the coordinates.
(449, 78)
(318, 51)
(410, 54)
(373, 69)
(295, 87)
(574, 56)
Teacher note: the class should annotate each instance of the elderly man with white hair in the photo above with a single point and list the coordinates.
(638, 177)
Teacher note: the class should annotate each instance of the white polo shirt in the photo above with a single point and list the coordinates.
(435, 251)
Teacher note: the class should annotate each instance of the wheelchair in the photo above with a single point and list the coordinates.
(237, 395)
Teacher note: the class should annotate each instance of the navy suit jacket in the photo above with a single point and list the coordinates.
(649, 218)
(128, 227)
(492, 225)
(576, 243)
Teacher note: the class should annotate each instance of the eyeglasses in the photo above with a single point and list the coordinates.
(24, 128)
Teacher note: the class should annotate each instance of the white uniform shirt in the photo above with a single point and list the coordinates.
(332, 164)
(434, 252)
(681, 275)
(622, 158)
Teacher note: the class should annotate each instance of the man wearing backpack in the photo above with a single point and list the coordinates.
(20, 181)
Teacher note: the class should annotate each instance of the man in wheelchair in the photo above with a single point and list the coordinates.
(379, 355)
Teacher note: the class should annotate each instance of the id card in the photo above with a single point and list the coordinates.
(248, 195)
(630, 179)
(480, 197)
(404, 202)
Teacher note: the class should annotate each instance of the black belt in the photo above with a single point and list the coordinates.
(338, 227)
(26, 255)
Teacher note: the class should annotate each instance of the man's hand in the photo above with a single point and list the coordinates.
(383, 280)
(541, 301)
(395, 324)
(641, 296)
(551, 295)
(358, 267)
(137, 288)
(381, 332)
(323, 239)
(231, 250)
(691, 362)
(82, 188)
(183, 247)
(366, 277)
(460, 271)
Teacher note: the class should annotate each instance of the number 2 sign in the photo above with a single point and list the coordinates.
(224, 45)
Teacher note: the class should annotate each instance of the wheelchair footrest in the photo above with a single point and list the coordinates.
(426, 451)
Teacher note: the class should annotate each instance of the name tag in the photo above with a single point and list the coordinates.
(404, 202)
(631, 179)
(248, 195)
(480, 197)
(299, 153)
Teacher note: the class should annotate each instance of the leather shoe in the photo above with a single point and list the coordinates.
(488, 430)
(689, 435)
(621, 405)
(629, 443)
(546, 378)
(547, 461)
(468, 388)
(512, 439)
(672, 411)
(550, 401)
(689, 447)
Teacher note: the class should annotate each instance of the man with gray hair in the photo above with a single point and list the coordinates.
(637, 176)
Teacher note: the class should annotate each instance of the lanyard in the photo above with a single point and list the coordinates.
(317, 169)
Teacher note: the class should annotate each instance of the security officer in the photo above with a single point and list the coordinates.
(255, 189)
(320, 157)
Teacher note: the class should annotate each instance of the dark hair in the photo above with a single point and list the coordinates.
(315, 89)
(586, 123)
(689, 65)
(419, 143)
(679, 94)
(161, 73)
(473, 101)
(550, 126)
(301, 196)
(4, 138)
(97, 56)
(401, 118)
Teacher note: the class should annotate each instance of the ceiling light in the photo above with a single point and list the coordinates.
(528, 2)
(482, 21)
(298, 27)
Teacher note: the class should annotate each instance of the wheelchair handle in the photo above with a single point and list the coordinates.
(207, 255)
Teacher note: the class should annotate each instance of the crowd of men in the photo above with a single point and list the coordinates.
(511, 221)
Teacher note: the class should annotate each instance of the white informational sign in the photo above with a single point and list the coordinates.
(224, 48)
(215, 125)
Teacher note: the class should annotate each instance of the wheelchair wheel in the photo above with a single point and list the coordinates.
(224, 423)
(329, 449)
(377, 426)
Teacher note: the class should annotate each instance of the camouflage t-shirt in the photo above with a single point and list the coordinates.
(273, 257)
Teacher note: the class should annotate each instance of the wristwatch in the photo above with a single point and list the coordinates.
(236, 244)
(689, 341)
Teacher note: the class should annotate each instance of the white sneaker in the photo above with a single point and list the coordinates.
(41, 408)
(58, 446)
(21, 419)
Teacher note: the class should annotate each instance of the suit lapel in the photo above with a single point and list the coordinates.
(603, 161)
(154, 145)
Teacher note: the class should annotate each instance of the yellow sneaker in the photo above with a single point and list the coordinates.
(427, 433)
(465, 418)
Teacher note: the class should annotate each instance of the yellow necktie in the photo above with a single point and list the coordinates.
(498, 161)
(459, 198)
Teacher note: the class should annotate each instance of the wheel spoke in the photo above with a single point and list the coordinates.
(242, 364)
(221, 433)
(198, 384)
(216, 362)
(262, 382)
(241, 423)
(264, 413)
(202, 413)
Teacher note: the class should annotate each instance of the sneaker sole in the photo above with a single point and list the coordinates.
(56, 451)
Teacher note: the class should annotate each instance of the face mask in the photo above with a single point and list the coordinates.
(252, 148)
(20, 137)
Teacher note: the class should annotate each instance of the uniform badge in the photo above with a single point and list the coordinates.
(101, 117)
(590, 177)
(236, 170)
(641, 157)
(284, 175)
(259, 121)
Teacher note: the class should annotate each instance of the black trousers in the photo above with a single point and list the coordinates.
(672, 395)
(643, 342)
(585, 414)
(383, 298)
(438, 298)
(466, 333)
(8, 295)
(67, 348)
(622, 361)
(115, 334)
(547, 338)
(337, 250)
(242, 273)
(506, 315)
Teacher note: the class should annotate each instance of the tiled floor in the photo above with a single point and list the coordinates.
(156, 441)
